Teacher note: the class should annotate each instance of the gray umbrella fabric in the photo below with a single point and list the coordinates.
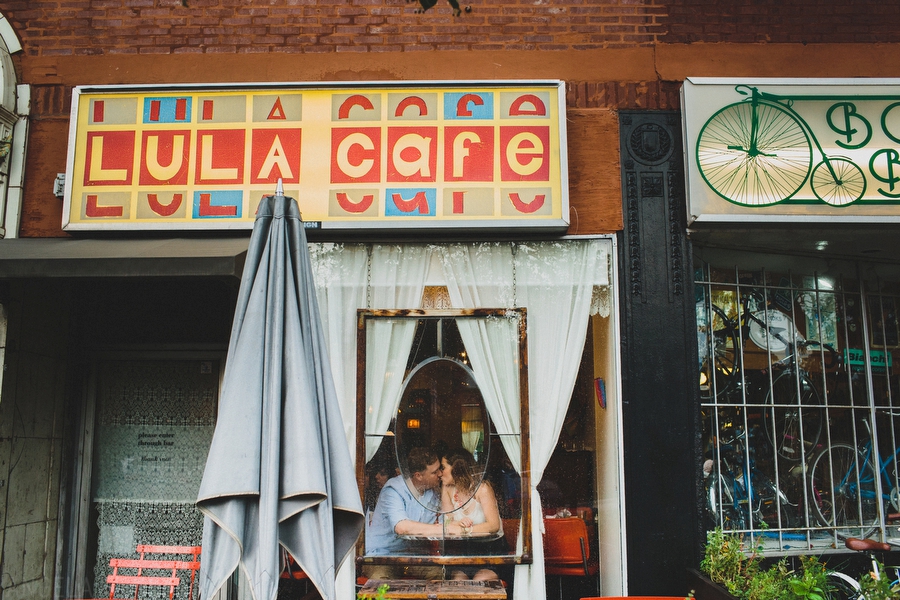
(279, 469)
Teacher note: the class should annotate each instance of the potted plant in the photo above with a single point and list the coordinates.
(878, 588)
(732, 571)
(380, 593)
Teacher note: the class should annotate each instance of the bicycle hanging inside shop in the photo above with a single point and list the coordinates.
(797, 401)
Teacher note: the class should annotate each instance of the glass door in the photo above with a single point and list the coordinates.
(153, 424)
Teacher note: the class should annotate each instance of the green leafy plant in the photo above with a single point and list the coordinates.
(729, 562)
(380, 593)
(724, 560)
(878, 588)
(811, 582)
(767, 584)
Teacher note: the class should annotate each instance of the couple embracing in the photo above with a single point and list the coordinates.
(414, 504)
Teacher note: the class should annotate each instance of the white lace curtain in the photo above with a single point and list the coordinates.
(481, 276)
(555, 282)
(353, 276)
(398, 279)
(558, 283)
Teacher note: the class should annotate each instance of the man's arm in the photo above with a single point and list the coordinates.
(395, 509)
(409, 527)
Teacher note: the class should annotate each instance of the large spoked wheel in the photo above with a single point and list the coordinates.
(845, 186)
(759, 172)
(793, 416)
(842, 486)
(844, 587)
(718, 353)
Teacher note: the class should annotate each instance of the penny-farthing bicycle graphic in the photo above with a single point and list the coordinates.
(759, 152)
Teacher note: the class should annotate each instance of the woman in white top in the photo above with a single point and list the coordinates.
(470, 503)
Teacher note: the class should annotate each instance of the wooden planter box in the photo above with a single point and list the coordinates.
(705, 589)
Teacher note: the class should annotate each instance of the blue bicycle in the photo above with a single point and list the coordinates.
(843, 484)
(739, 496)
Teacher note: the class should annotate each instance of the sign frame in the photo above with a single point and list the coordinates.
(180, 122)
(837, 167)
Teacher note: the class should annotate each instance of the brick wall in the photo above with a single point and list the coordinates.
(781, 21)
(648, 95)
(612, 54)
(53, 28)
(87, 27)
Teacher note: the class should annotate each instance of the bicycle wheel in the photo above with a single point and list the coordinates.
(793, 424)
(749, 172)
(843, 587)
(718, 353)
(772, 505)
(722, 510)
(842, 486)
(846, 186)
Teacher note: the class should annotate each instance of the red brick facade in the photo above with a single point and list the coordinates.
(320, 26)
(612, 54)
(781, 21)
(85, 27)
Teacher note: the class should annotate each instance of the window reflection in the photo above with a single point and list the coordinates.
(441, 454)
(440, 483)
(438, 396)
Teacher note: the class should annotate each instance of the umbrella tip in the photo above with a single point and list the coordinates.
(279, 189)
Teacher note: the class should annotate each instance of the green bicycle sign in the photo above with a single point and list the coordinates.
(763, 150)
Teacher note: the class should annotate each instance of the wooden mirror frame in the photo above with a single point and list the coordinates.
(364, 315)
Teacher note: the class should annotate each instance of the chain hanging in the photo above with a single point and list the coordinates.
(515, 249)
(368, 275)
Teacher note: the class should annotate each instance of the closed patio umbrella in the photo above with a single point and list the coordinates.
(279, 470)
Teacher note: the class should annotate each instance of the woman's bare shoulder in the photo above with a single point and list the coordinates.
(485, 490)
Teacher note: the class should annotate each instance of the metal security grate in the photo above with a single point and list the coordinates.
(800, 406)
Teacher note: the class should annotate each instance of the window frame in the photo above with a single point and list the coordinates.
(523, 557)
(15, 100)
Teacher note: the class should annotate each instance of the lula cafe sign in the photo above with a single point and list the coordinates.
(792, 150)
(377, 156)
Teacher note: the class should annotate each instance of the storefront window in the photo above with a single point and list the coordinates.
(562, 286)
(444, 393)
(799, 400)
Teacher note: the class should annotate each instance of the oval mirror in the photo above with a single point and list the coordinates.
(441, 409)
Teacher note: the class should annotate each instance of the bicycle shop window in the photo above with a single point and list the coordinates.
(439, 386)
(799, 400)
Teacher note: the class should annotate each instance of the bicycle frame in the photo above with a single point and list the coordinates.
(750, 490)
(852, 485)
(759, 151)
(869, 453)
(846, 587)
(741, 326)
(786, 103)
